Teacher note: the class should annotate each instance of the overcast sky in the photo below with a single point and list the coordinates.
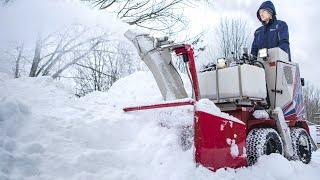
(302, 18)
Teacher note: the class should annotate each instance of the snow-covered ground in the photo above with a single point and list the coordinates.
(48, 133)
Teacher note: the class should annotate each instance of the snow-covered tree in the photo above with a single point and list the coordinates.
(104, 65)
(232, 36)
(55, 53)
(312, 101)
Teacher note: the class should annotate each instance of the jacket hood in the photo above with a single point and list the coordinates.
(266, 5)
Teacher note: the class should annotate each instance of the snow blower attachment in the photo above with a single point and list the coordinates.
(243, 109)
(159, 61)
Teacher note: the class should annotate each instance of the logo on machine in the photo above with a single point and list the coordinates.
(295, 109)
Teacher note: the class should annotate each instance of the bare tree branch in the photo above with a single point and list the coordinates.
(17, 68)
(155, 15)
(232, 36)
(93, 69)
(55, 75)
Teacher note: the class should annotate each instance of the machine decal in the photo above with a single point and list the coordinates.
(295, 109)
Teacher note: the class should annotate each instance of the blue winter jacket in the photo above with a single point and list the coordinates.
(273, 34)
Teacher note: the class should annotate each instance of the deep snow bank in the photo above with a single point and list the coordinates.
(47, 133)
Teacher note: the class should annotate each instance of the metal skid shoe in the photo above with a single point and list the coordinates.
(284, 132)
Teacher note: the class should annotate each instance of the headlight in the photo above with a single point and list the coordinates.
(263, 53)
(221, 63)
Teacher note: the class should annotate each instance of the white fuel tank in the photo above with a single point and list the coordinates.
(236, 82)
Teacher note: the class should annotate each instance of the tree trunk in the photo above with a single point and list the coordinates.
(36, 59)
(17, 70)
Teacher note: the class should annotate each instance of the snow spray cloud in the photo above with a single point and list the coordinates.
(23, 21)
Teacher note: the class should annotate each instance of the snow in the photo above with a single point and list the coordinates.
(48, 133)
(314, 134)
(234, 149)
(261, 114)
(134, 95)
(205, 105)
(70, 138)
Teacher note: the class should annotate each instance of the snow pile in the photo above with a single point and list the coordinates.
(143, 86)
(48, 133)
(70, 138)
(205, 105)
(4, 77)
(139, 88)
(13, 112)
(234, 149)
(261, 114)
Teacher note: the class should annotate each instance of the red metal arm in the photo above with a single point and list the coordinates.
(187, 52)
(156, 106)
